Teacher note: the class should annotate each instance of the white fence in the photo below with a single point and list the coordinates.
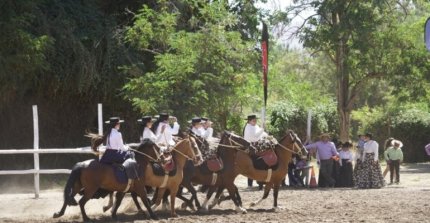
(36, 151)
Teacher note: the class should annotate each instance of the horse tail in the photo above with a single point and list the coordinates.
(96, 140)
(68, 190)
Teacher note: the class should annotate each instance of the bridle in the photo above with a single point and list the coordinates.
(234, 145)
(295, 146)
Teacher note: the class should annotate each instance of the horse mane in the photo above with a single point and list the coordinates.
(96, 140)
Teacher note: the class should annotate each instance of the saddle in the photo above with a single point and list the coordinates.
(215, 164)
(265, 160)
(167, 165)
(127, 170)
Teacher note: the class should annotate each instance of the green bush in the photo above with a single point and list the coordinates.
(287, 115)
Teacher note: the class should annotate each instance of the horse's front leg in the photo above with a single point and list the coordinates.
(265, 195)
(172, 202)
(110, 203)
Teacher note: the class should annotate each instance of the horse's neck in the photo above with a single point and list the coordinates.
(180, 159)
(283, 153)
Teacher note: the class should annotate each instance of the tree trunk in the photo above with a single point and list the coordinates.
(345, 123)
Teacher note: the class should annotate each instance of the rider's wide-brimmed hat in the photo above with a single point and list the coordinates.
(163, 116)
(251, 117)
(146, 119)
(114, 120)
(397, 142)
(195, 120)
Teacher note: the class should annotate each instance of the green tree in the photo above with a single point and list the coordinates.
(361, 39)
(199, 72)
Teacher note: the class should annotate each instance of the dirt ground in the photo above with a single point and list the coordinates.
(407, 202)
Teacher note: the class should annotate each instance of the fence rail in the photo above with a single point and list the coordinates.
(36, 151)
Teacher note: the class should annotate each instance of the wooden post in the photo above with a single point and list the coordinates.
(100, 118)
(36, 147)
(309, 125)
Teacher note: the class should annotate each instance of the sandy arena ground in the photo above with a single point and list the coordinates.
(407, 202)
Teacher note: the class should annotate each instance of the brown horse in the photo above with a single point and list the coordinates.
(184, 150)
(289, 144)
(91, 175)
(230, 145)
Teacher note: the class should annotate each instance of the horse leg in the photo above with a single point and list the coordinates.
(275, 197)
(193, 197)
(172, 202)
(88, 194)
(75, 188)
(141, 192)
(232, 191)
(208, 196)
(118, 198)
(165, 203)
(136, 202)
(110, 203)
(159, 195)
(239, 199)
(217, 197)
(265, 195)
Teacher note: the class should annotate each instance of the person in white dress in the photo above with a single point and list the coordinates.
(116, 151)
(164, 132)
(197, 127)
(146, 122)
(207, 127)
(252, 132)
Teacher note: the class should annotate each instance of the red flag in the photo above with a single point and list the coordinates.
(265, 59)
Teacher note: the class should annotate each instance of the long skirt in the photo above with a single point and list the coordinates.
(370, 174)
(115, 156)
(345, 174)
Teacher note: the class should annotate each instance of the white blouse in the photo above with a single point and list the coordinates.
(208, 133)
(166, 137)
(115, 140)
(344, 155)
(253, 133)
(148, 134)
(371, 146)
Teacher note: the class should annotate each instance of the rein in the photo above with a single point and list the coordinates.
(290, 150)
(142, 153)
(185, 155)
(237, 145)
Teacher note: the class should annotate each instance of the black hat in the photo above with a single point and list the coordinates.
(369, 135)
(347, 145)
(114, 120)
(251, 117)
(204, 119)
(145, 119)
(164, 116)
(195, 120)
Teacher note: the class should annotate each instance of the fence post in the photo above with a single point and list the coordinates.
(36, 147)
(100, 116)
(309, 124)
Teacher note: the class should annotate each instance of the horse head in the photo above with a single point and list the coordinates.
(235, 141)
(148, 149)
(293, 143)
(189, 149)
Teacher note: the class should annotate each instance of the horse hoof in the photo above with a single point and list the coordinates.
(57, 215)
(241, 210)
(276, 209)
(184, 206)
(174, 215)
(105, 209)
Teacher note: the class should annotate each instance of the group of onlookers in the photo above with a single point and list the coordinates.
(336, 161)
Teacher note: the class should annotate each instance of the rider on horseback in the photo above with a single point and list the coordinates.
(116, 151)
